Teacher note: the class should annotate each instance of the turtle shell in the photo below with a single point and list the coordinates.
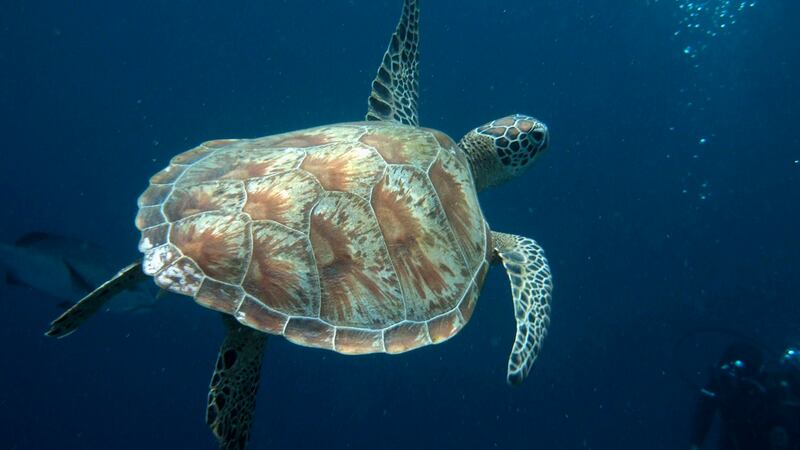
(359, 238)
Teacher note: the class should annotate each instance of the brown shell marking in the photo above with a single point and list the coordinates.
(444, 140)
(285, 198)
(154, 195)
(314, 137)
(453, 184)
(423, 250)
(168, 175)
(149, 216)
(218, 242)
(219, 296)
(357, 342)
(403, 145)
(359, 287)
(255, 314)
(282, 274)
(445, 326)
(406, 336)
(212, 196)
(467, 305)
(309, 332)
(240, 161)
(251, 164)
(332, 248)
(200, 152)
(154, 237)
(345, 167)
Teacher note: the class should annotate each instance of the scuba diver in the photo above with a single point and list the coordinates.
(757, 409)
(737, 391)
(784, 426)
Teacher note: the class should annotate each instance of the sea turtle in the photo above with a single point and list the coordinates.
(360, 237)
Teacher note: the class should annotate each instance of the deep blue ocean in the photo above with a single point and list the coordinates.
(668, 204)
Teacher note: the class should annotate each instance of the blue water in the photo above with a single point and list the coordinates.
(667, 203)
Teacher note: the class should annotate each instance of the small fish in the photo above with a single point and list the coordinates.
(67, 269)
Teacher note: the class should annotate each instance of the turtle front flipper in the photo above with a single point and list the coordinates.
(74, 317)
(395, 90)
(531, 286)
(232, 393)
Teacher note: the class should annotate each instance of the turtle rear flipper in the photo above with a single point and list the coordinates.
(531, 286)
(74, 317)
(395, 90)
(232, 393)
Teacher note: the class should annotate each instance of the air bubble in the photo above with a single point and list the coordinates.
(710, 18)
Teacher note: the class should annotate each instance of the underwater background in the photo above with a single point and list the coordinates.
(667, 205)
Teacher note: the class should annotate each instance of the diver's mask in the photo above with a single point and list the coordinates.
(790, 363)
(738, 374)
(791, 358)
(733, 370)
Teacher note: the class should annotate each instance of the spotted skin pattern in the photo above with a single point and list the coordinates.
(395, 90)
(517, 139)
(357, 237)
(531, 288)
(233, 387)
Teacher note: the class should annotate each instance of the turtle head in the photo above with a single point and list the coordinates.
(504, 148)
